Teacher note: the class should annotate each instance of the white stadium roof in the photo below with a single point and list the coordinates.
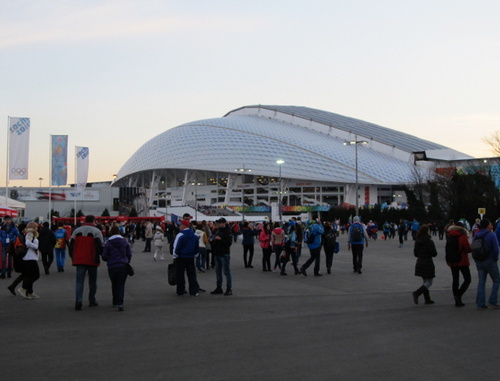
(310, 141)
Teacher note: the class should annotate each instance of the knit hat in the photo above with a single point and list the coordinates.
(355, 219)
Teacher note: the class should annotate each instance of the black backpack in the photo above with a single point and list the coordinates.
(330, 239)
(356, 234)
(480, 250)
(453, 254)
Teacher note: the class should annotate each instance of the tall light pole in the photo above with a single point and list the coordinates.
(242, 171)
(280, 162)
(40, 179)
(356, 142)
(196, 200)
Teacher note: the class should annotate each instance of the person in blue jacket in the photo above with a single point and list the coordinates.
(358, 238)
(314, 235)
(8, 234)
(487, 267)
(186, 248)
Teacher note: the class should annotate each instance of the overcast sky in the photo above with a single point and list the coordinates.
(114, 74)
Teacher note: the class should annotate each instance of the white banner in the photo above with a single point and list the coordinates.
(82, 168)
(19, 142)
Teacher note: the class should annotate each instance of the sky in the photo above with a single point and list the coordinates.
(113, 74)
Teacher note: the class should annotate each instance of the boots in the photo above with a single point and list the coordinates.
(297, 271)
(427, 296)
(417, 293)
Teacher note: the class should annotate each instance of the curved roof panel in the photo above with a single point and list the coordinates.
(224, 144)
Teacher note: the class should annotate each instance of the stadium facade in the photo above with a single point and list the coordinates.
(326, 160)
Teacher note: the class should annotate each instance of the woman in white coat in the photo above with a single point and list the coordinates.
(158, 240)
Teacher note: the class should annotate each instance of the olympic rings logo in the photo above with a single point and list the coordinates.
(18, 171)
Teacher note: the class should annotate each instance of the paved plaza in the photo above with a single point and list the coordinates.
(343, 326)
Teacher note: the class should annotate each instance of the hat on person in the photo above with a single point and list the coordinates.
(158, 227)
(187, 215)
(185, 223)
(221, 220)
(355, 219)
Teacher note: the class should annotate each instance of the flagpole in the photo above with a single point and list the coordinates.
(76, 186)
(7, 168)
(50, 181)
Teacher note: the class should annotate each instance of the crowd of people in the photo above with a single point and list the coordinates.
(200, 246)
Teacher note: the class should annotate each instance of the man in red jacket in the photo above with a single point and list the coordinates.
(85, 248)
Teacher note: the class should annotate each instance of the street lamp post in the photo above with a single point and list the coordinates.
(356, 142)
(40, 179)
(280, 162)
(242, 171)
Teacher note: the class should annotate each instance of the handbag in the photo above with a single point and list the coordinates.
(337, 247)
(130, 269)
(172, 273)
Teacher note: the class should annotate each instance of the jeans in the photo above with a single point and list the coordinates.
(60, 258)
(222, 263)
(6, 265)
(201, 259)
(483, 269)
(313, 258)
(81, 271)
(277, 250)
(147, 247)
(266, 259)
(118, 276)
(186, 265)
(357, 256)
(248, 249)
(329, 258)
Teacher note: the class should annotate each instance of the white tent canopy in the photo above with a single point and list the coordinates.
(14, 204)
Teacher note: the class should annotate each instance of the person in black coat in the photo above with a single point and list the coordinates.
(424, 250)
(47, 242)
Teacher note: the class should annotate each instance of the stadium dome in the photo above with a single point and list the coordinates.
(316, 146)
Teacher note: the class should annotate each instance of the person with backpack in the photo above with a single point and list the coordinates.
(424, 250)
(485, 253)
(290, 249)
(357, 239)
(329, 243)
(457, 258)
(313, 239)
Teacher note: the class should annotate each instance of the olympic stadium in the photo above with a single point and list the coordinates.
(258, 156)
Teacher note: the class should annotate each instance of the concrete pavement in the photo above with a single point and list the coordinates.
(343, 326)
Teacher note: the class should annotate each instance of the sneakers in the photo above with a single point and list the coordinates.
(22, 292)
(217, 291)
(483, 308)
(32, 296)
(93, 304)
(121, 308)
(494, 306)
(228, 292)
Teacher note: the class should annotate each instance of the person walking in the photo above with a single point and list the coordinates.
(8, 234)
(221, 247)
(313, 240)
(30, 269)
(290, 251)
(486, 266)
(47, 241)
(457, 258)
(186, 247)
(60, 246)
(117, 254)
(86, 247)
(248, 242)
(265, 244)
(158, 239)
(357, 240)
(329, 243)
(148, 236)
(424, 250)
(277, 244)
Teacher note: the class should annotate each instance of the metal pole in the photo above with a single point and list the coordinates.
(357, 186)
(279, 195)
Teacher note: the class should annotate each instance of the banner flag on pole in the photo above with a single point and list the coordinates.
(59, 159)
(19, 142)
(82, 168)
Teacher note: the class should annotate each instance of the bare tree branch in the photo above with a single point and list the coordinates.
(493, 141)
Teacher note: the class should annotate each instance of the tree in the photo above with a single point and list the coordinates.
(493, 141)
